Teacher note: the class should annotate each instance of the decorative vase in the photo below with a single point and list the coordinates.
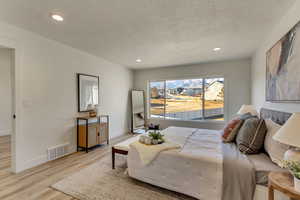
(297, 184)
(154, 141)
(148, 140)
(93, 113)
(142, 139)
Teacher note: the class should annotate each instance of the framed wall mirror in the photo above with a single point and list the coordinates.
(138, 111)
(88, 92)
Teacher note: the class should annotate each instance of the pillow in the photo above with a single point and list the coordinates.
(231, 129)
(251, 136)
(246, 116)
(248, 109)
(275, 149)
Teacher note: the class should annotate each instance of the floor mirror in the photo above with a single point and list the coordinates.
(138, 120)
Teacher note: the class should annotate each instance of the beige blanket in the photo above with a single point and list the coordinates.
(174, 139)
(148, 153)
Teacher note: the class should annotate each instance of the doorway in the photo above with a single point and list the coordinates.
(7, 107)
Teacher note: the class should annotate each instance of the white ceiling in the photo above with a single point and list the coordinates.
(160, 32)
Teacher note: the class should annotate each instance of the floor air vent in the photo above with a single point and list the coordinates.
(58, 151)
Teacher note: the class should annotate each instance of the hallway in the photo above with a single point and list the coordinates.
(5, 152)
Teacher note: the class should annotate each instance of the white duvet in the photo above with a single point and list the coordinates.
(195, 169)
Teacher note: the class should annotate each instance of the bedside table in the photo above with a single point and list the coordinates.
(283, 182)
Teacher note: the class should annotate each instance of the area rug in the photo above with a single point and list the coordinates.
(99, 182)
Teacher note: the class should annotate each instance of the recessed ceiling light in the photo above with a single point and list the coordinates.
(57, 17)
(217, 49)
(138, 60)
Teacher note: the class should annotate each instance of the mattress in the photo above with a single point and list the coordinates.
(261, 193)
(263, 166)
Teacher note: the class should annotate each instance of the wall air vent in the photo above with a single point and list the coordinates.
(58, 151)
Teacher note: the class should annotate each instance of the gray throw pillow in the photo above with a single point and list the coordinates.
(242, 118)
(251, 136)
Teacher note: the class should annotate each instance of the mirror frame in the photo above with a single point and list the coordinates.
(78, 91)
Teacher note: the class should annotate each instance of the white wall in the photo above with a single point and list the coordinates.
(237, 85)
(259, 62)
(47, 93)
(6, 56)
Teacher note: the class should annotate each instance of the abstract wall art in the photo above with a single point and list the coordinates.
(283, 68)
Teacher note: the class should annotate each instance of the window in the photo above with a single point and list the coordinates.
(157, 99)
(187, 99)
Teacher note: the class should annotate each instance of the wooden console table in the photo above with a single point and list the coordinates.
(94, 131)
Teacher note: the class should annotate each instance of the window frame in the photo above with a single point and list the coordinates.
(203, 99)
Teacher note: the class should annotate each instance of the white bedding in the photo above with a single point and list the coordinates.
(195, 170)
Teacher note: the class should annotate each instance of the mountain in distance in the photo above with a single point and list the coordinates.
(189, 83)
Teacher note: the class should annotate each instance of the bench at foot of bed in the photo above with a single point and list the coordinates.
(113, 153)
(122, 148)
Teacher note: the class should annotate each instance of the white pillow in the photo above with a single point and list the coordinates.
(275, 149)
(248, 109)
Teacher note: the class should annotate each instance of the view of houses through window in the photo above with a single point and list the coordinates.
(188, 99)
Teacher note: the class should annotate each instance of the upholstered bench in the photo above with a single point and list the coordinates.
(122, 148)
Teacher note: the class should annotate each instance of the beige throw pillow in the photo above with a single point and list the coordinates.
(275, 149)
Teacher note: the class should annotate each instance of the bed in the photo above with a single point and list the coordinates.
(182, 171)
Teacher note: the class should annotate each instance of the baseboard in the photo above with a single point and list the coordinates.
(5, 132)
(32, 163)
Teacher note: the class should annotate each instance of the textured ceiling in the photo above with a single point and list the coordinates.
(160, 32)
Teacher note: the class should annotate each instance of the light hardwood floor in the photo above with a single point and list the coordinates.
(35, 183)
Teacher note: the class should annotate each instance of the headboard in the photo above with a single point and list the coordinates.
(276, 116)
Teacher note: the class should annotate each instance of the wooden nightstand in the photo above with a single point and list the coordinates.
(284, 183)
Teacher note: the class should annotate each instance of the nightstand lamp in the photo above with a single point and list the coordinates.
(289, 134)
(248, 109)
